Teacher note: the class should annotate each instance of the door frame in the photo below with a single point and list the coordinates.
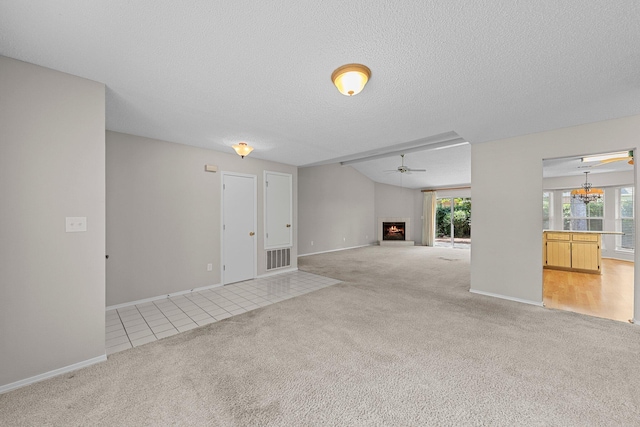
(223, 174)
(266, 240)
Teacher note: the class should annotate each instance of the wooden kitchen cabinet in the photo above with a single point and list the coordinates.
(580, 251)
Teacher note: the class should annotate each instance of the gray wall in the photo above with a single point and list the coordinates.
(52, 165)
(393, 201)
(337, 209)
(163, 215)
(506, 256)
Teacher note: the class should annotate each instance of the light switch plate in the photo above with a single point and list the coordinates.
(76, 224)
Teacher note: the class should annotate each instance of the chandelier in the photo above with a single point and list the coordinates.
(586, 193)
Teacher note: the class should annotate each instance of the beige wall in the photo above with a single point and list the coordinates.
(394, 201)
(52, 165)
(163, 215)
(506, 255)
(337, 209)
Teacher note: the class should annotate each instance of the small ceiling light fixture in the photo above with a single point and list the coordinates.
(351, 78)
(586, 193)
(242, 149)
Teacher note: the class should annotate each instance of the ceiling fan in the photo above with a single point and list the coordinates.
(406, 169)
(610, 158)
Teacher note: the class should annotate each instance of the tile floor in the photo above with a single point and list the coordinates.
(139, 324)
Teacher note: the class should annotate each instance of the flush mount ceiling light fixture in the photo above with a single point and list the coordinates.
(351, 78)
(242, 149)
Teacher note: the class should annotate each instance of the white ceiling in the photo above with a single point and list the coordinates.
(212, 73)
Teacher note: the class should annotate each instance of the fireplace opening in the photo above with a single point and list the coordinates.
(393, 230)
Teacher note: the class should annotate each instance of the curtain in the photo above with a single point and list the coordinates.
(429, 215)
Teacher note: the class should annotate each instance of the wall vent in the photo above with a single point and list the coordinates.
(278, 258)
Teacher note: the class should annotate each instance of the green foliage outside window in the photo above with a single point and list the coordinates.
(461, 217)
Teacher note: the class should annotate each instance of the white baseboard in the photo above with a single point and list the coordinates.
(489, 294)
(188, 291)
(12, 386)
(156, 298)
(337, 250)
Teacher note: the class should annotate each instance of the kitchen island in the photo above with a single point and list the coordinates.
(573, 250)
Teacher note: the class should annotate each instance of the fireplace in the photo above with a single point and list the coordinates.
(393, 231)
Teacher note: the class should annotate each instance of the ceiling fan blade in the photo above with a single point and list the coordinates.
(418, 170)
(615, 159)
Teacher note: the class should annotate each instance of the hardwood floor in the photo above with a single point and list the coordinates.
(609, 295)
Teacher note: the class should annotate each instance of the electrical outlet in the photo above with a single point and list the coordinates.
(209, 267)
(75, 224)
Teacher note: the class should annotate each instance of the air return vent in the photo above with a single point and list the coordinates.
(278, 258)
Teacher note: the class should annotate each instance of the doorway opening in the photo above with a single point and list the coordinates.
(588, 242)
(453, 222)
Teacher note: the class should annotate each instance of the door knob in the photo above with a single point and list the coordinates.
(288, 225)
(251, 233)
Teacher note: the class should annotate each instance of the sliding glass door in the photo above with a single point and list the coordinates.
(453, 222)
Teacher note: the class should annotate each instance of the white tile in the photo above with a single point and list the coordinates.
(144, 340)
(194, 312)
(187, 327)
(113, 322)
(115, 341)
(162, 328)
(200, 316)
(136, 328)
(172, 312)
(154, 316)
(139, 334)
(117, 348)
(157, 322)
(238, 311)
(166, 333)
(114, 334)
(181, 322)
(177, 317)
(216, 311)
(114, 328)
(132, 319)
(206, 321)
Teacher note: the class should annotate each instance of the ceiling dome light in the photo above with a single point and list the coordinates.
(242, 149)
(351, 78)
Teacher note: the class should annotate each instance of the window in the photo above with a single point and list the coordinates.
(547, 208)
(577, 216)
(624, 219)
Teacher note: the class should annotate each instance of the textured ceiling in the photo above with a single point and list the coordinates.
(212, 73)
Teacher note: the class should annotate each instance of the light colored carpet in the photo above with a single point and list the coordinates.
(400, 342)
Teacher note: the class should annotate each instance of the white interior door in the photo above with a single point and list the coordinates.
(238, 227)
(278, 210)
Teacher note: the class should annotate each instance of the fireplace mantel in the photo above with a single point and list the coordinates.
(407, 231)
